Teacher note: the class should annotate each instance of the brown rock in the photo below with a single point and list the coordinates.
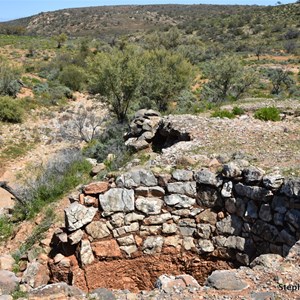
(36, 275)
(207, 216)
(108, 248)
(96, 188)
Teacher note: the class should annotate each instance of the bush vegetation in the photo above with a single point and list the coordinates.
(267, 114)
(10, 110)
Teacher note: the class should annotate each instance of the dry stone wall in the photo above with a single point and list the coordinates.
(235, 214)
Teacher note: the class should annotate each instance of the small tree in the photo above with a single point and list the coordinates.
(9, 79)
(60, 39)
(117, 77)
(73, 77)
(279, 79)
(228, 79)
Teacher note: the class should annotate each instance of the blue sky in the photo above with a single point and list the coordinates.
(12, 9)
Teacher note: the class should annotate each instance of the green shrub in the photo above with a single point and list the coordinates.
(10, 110)
(9, 79)
(267, 114)
(238, 111)
(223, 114)
(73, 77)
(6, 228)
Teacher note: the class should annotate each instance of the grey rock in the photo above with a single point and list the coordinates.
(77, 215)
(273, 181)
(102, 294)
(205, 246)
(278, 219)
(251, 210)
(205, 176)
(271, 261)
(265, 213)
(157, 219)
(208, 196)
(187, 222)
(187, 231)
(184, 188)
(181, 212)
(7, 262)
(262, 296)
(230, 205)
(183, 175)
(173, 241)
(149, 206)
(155, 191)
(129, 249)
(136, 178)
(266, 231)
(75, 237)
(241, 206)
(291, 188)
(136, 144)
(226, 191)
(219, 240)
(231, 170)
(169, 228)
(179, 201)
(204, 230)
(150, 230)
(235, 242)
(86, 253)
(126, 240)
(117, 220)
(133, 217)
(97, 230)
(280, 204)
(8, 282)
(133, 227)
(117, 200)
(253, 192)
(225, 280)
(188, 243)
(36, 275)
(230, 225)
(153, 244)
(293, 218)
(287, 238)
(253, 174)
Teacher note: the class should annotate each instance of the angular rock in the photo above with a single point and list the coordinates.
(75, 237)
(153, 244)
(231, 170)
(251, 210)
(206, 177)
(226, 191)
(235, 242)
(266, 231)
(208, 197)
(57, 291)
(270, 261)
(280, 204)
(230, 205)
(150, 230)
(136, 144)
(36, 275)
(108, 248)
(96, 188)
(230, 225)
(169, 228)
(163, 179)
(207, 216)
(168, 283)
(188, 243)
(225, 280)
(8, 282)
(102, 294)
(77, 215)
(129, 249)
(253, 192)
(155, 191)
(179, 201)
(133, 217)
(291, 188)
(7, 262)
(205, 246)
(117, 200)
(126, 240)
(273, 181)
(265, 212)
(204, 230)
(97, 230)
(149, 206)
(157, 219)
(86, 253)
(293, 218)
(117, 220)
(136, 178)
(287, 238)
(253, 174)
(183, 175)
(184, 188)
(98, 168)
(173, 241)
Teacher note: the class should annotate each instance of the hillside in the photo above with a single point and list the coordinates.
(204, 20)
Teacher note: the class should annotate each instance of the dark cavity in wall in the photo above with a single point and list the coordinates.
(166, 136)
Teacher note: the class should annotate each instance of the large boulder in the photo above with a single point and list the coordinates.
(136, 178)
(36, 275)
(8, 282)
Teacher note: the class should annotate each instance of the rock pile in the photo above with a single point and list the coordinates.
(236, 214)
(142, 129)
